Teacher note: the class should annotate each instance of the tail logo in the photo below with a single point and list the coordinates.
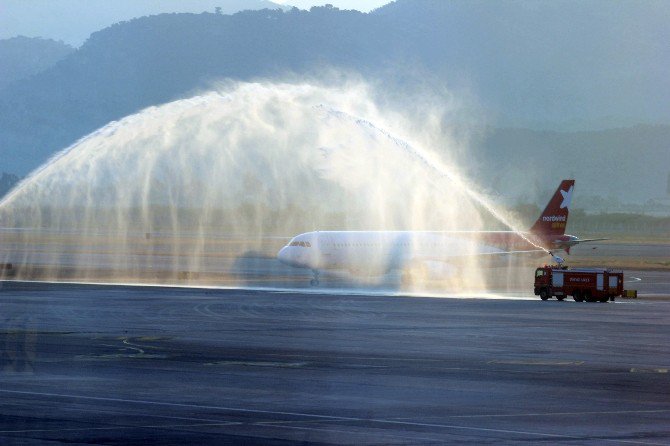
(567, 197)
(554, 218)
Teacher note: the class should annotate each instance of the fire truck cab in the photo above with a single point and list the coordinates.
(583, 284)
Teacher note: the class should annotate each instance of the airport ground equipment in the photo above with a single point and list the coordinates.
(583, 284)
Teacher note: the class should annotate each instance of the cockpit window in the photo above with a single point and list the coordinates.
(303, 244)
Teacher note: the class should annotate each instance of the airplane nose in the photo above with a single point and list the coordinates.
(282, 255)
(289, 256)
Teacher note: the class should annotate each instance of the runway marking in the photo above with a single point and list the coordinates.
(137, 348)
(550, 414)
(636, 370)
(308, 415)
(531, 362)
(507, 431)
(147, 415)
(376, 435)
(259, 423)
(156, 426)
(152, 338)
(118, 356)
(133, 346)
(260, 363)
(378, 358)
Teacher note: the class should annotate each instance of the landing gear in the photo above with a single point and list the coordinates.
(315, 280)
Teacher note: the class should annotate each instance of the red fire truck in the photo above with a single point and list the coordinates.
(583, 284)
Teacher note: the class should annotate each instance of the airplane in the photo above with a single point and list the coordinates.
(430, 252)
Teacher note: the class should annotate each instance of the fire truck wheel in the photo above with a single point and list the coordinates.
(587, 296)
(544, 295)
(604, 299)
(560, 298)
(577, 296)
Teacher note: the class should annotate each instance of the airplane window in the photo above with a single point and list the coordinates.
(308, 244)
(302, 244)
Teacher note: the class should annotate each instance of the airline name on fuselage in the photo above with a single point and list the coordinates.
(554, 218)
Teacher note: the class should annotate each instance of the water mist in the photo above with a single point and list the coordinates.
(188, 190)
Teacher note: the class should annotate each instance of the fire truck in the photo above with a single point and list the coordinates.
(583, 284)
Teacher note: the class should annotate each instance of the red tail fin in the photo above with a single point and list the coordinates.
(555, 216)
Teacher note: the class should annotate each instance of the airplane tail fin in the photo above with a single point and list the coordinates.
(554, 218)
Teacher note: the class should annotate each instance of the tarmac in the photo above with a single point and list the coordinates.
(91, 364)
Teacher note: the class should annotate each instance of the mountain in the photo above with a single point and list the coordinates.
(74, 20)
(152, 60)
(542, 65)
(23, 56)
(546, 63)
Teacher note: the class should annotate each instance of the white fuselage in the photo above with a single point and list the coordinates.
(378, 252)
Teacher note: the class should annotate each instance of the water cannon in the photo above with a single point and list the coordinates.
(557, 259)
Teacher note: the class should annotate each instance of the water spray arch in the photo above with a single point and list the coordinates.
(228, 173)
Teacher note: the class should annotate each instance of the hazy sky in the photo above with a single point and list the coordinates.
(72, 21)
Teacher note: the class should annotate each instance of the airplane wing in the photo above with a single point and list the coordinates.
(521, 252)
(567, 245)
(584, 240)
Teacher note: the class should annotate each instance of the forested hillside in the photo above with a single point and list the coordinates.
(23, 56)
